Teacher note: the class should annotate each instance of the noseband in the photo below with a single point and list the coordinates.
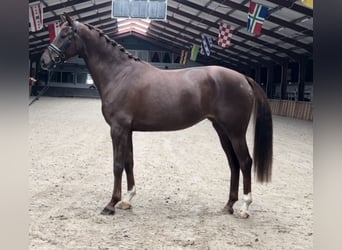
(60, 52)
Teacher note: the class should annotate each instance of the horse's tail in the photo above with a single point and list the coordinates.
(263, 134)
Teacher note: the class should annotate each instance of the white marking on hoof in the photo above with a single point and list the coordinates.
(244, 214)
(125, 203)
(247, 200)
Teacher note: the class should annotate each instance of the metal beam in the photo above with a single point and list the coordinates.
(243, 23)
(293, 6)
(291, 54)
(234, 41)
(173, 37)
(270, 18)
(228, 51)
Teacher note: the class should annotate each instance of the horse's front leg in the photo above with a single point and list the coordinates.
(120, 140)
(125, 203)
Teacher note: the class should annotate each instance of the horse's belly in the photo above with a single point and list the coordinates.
(166, 121)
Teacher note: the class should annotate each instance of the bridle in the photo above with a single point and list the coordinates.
(60, 52)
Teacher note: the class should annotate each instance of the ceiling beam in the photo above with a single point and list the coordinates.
(212, 60)
(243, 23)
(172, 36)
(293, 6)
(233, 41)
(273, 19)
(294, 56)
(198, 41)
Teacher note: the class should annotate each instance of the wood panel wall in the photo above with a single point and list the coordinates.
(295, 109)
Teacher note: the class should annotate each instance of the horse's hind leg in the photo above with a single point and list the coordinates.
(125, 203)
(234, 167)
(245, 162)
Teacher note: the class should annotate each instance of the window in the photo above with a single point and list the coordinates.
(55, 76)
(68, 77)
(155, 56)
(309, 71)
(142, 54)
(277, 74)
(292, 72)
(62, 77)
(166, 58)
(81, 77)
(263, 76)
(89, 79)
(145, 9)
(177, 59)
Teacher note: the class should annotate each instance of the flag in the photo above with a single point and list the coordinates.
(35, 16)
(256, 17)
(194, 52)
(54, 29)
(308, 3)
(225, 35)
(206, 45)
(184, 56)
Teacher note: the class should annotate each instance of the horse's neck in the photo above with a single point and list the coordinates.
(104, 61)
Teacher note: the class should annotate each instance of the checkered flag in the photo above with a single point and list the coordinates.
(225, 35)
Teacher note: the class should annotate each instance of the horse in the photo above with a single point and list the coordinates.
(136, 96)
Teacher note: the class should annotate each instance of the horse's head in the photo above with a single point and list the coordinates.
(64, 45)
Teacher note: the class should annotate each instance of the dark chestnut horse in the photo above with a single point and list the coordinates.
(137, 96)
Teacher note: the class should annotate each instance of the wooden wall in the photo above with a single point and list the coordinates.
(295, 109)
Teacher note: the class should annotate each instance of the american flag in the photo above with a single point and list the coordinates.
(256, 17)
(35, 16)
(225, 35)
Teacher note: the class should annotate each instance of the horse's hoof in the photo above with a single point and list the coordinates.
(124, 205)
(108, 211)
(244, 214)
(228, 210)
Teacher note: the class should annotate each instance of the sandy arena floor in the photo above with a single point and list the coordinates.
(182, 181)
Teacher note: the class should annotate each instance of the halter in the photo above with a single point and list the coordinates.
(60, 52)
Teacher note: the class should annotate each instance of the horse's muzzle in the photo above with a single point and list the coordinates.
(44, 65)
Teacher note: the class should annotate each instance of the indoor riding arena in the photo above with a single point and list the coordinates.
(210, 101)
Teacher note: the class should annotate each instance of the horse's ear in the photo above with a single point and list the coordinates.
(69, 19)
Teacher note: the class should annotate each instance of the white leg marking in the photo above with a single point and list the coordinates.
(247, 200)
(125, 203)
(129, 195)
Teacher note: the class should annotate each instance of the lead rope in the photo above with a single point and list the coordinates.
(41, 93)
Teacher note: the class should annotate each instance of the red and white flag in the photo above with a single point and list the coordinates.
(225, 35)
(54, 29)
(35, 16)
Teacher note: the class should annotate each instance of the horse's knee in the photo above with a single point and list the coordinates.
(118, 168)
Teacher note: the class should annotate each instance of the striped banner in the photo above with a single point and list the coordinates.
(206, 45)
(54, 29)
(35, 16)
(184, 56)
(194, 52)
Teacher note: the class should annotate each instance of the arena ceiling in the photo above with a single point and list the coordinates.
(287, 33)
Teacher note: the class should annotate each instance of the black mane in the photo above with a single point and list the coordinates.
(112, 42)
